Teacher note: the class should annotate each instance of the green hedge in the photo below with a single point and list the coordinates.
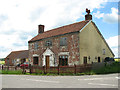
(112, 68)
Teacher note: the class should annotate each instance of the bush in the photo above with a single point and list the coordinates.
(112, 68)
(108, 59)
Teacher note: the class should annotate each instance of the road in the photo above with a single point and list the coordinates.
(86, 81)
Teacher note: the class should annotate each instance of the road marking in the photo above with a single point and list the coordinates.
(99, 78)
(117, 77)
(41, 80)
(102, 84)
(93, 79)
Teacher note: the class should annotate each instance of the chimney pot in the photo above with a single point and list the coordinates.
(88, 16)
(40, 29)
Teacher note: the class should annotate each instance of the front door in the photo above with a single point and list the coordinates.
(47, 62)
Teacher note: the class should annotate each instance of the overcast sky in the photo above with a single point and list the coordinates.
(19, 20)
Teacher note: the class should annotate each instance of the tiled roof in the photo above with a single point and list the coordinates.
(61, 30)
(18, 54)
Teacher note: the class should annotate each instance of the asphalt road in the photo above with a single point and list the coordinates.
(29, 81)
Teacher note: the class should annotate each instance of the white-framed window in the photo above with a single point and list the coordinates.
(63, 60)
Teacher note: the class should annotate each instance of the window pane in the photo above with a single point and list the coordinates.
(48, 43)
(63, 41)
(35, 60)
(36, 45)
(63, 61)
(66, 57)
(85, 60)
(103, 51)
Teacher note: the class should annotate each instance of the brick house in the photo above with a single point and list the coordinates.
(77, 43)
(17, 57)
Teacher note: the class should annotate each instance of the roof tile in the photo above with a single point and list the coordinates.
(61, 30)
(18, 54)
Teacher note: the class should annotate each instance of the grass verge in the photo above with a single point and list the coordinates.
(11, 72)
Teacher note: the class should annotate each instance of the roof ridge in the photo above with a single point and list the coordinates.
(20, 51)
(61, 27)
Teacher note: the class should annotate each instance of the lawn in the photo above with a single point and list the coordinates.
(2, 62)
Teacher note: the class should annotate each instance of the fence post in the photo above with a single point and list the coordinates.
(2, 67)
(58, 69)
(24, 69)
(30, 68)
(85, 67)
(15, 67)
(44, 69)
(75, 68)
(8, 68)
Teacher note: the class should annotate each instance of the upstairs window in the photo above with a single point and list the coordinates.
(63, 41)
(103, 51)
(36, 45)
(48, 43)
(13, 61)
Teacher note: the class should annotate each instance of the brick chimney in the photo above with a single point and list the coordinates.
(88, 16)
(40, 29)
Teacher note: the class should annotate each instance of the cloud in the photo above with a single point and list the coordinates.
(109, 17)
(114, 44)
(114, 0)
(21, 14)
(13, 42)
(20, 18)
(113, 41)
(2, 19)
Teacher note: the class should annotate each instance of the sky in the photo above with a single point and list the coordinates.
(19, 20)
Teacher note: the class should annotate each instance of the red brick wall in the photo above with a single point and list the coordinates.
(72, 47)
(10, 62)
